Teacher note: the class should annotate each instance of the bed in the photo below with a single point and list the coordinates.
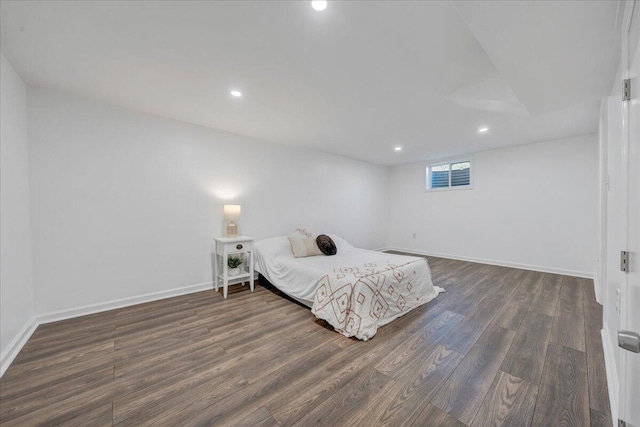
(356, 290)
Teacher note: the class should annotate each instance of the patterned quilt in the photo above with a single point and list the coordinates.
(358, 300)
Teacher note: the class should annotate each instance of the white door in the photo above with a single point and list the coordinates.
(629, 405)
(616, 211)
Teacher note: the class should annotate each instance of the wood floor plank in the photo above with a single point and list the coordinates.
(177, 405)
(289, 326)
(352, 400)
(592, 315)
(244, 325)
(491, 303)
(98, 417)
(460, 276)
(464, 392)
(469, 329)
(260, 367)
(44, 351)
(223, 319)
(159, 334)
(568, 323)
(526, 356)
(598, 419)
(509, 402)
(70, 334)
(434, 416)
(57, 362)
(572, 290)
(152, 310)
(216, 319)
(65, 410)
(289, 406)
(226, 378)
(474, 295)
(152, 306)
(127, 366)
(444, 300)
(259, 418)
(563, 398)
(75, 323)
(124, 328)
(147, 347)
(402, 404)
(40, 397)
(588, 289)
(393, 365)
(324, 381)
(256, 358)
(511, 316)
(597, 376)
(547, 297)
(199, 407)
(69, 373)
(527, 288)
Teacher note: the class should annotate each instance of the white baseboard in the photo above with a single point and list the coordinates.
(596, 288)
(55, 316)
(23, 336)
(575, 273)
(612, 373)
(17, 343)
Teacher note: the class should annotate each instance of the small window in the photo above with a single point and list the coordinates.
(455, 174)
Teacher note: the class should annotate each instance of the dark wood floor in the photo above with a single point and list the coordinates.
(500, 347)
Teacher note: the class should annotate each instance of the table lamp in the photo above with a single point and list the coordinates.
(232, 213)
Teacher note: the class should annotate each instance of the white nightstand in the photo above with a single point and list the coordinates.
(225, 246)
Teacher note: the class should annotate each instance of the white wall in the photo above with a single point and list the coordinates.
(533, 205)
(125, 203)
(16, 269)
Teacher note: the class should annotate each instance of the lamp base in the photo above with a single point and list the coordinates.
(232, 229)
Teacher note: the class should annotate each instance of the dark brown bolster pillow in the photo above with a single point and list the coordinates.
(326, 244)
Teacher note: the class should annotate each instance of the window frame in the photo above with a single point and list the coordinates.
(449, 162)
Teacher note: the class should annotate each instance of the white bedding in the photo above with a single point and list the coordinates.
(357, 300)
(298, 277)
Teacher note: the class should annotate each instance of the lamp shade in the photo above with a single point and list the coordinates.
(231, 212)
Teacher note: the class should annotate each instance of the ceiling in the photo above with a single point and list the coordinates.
(356, 79)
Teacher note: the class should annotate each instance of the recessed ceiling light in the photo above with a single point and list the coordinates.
(319, 5)
(397, 148)
(236, 93)
(483, 130)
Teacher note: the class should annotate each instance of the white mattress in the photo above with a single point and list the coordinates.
(298, 277)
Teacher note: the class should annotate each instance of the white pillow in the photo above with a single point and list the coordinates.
(339, 241)
(304, 246)
(273, 247)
